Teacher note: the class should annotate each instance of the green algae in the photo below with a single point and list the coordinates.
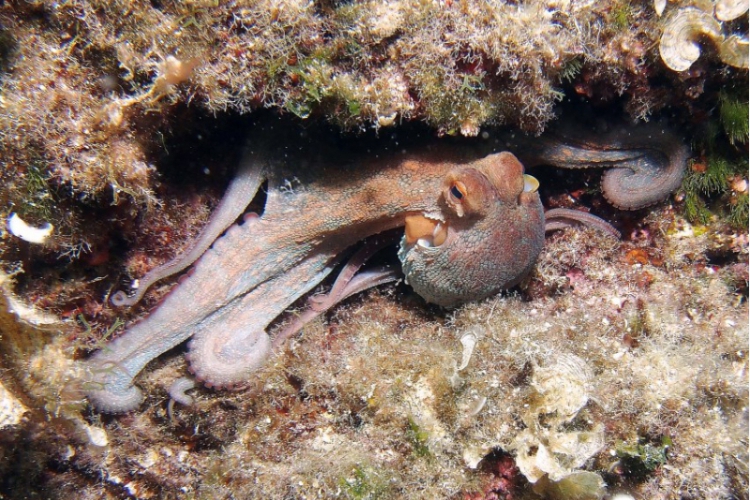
(733, 114)
(363, 484)
(642, 457)
(418, 438)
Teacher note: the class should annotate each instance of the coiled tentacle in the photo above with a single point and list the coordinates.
(646, 163)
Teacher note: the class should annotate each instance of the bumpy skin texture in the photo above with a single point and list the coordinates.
(257, 270)
(649, 160)
(494, 235)
(482, 228)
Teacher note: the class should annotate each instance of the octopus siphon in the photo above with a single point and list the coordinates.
(469, 218)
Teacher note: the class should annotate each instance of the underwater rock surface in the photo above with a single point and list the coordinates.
(617, 367)
(371, 398)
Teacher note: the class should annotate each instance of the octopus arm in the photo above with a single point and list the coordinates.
(559, 218)
(239, 194)
(350, 281)
(645, 163)
(233, 343)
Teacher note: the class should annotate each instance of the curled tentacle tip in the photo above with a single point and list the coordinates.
(112, 402)
(120, 299)
(559, 218)
(178, 391)
(189, 357)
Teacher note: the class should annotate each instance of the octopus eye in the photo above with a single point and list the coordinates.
(458, 191)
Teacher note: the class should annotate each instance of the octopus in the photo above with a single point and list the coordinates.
(469, 219)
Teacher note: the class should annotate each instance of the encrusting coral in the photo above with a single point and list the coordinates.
(115, 70)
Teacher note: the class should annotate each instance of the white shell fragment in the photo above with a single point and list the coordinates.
(659, 6)
(96, 435)
(477, 406)
(468, 340)
(472, 456)
(11, 409)
(563, 386)
(18, 227)
(727, 10)
(679, 45)
(556, 455)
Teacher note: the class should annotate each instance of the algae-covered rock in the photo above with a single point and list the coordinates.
(545, 448)
(120, 125)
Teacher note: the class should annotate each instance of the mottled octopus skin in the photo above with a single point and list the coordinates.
(505, 222)
(313, 214)
(257, 269)
(652, 158)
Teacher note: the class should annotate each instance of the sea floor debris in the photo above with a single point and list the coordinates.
(370, 401)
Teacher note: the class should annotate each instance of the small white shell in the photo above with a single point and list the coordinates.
(679, 47)
(18, 227)
(387, 121)
(659, 6)
(468, 340)
(727, 10)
